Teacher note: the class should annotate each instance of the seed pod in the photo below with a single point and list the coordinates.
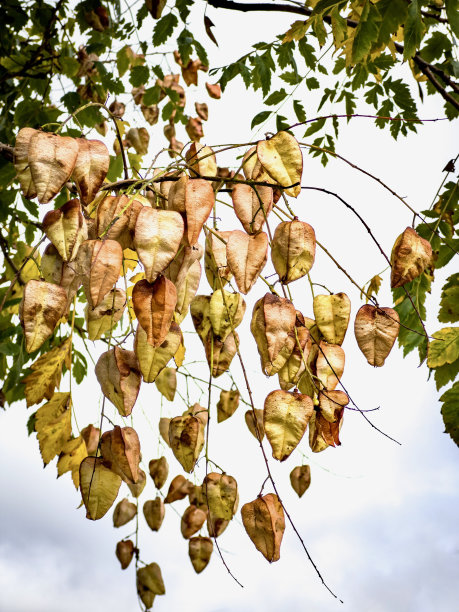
(154, 305)
(21, 162)
(201, 160)
(285, 419)
(177, 270)
(154, 511)
(90, 435)
(200, 550)
(166, 383)
(300, 479)
(227, 404)
(410, 256)
(220, 354)
(293, 250)
(91, 168)
(137, 487)
(124, 512)
(252, 167)
(125, 552)
(214, 91)
(192, 520)
(247, 256)
(159, 471)
(200, 314)
(99, 487)
(197, 497)
(331, 404)
(66, 228)
(221, 493)
(116, 218)
(322, 433)
(376, 330)
(330, 364)
(226, 311)
(264, 523)
(120, 450)
(104, 317)
(186, 291)
(55, 270)
(252, 205)
(42, 305)
(281, 157)
(215, 261)
(202, 110)
(99, 264)
(255, 424)
(332, 313)
(152, 360)
(138, 139)
(179, 488)
(150, 577)
(163, 427)
(186, 437)
(118, 373)
(292, 370)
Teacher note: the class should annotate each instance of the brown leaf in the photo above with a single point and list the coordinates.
(42, 306)
(192, 520)
(179, 488)
(118, 373)
(264, 523)
(376, 330)
(91, 168)
(152, 360)
(410, 256)
(293, 250)
(99, 263)
(154, 511)
(159, 471)
(124, 512)
(51, 160)
(200, 550)
(154, 305)
(252, 205)
(214, 91)
(99, 487)
(21, 162)
(120, 450)
(247, 256)
(125, 552)
(300, 479)
(117, 217)
(227, 404)
(255, 425)
(282, 158)
(186, 437)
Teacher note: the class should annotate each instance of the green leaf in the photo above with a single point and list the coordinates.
(445, 347)
(393, 14)
(323, 6)
(414, 30)
(261, 74)
(307, 51)
(139, 76)
(450, 411)
(449, 304)
(312, 83)
(452, 12)
(164, 28)
(260, 118)
(276, 97)
(115, 169)
(152, 95)
(31, 424)
(366, 33)
(292, 78)
(315, 127)
(299, 110)
(417, 288)
(446, 373)
(122, 60)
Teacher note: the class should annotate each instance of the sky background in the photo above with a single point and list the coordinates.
(380, 520)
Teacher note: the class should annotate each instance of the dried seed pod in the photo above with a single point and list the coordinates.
(300, 479)
(154, 305)
(118, 373)
(120, 450)
(330, 364)
(221, 493)
(179, 488)
(137, 487)
(252, 205)
(186, 437)
(220, 354)
(226, 311)
(294, 367)
(159, 471)
(55, 270)
(194, 129)
(42, 306)
(376, 330)
(91, 168)
(252, 168)
(99, 264)
(216, 527)
(91, 435)
(200, 314)
(66, 229)
(282, 158)
(227, 404)
(293, 250)
(99, 487)
(154, 359)
(247, 256)
(331, 404)
(154, 511)
(264, 523)
(106, 315)
(202, 110)
(200, 550)
(151, 113)
(177, 270)
(285, 419)
(150, 577)
(192, 520)
(215, 259)
(214, 91)
(125, 552)
(157, 238)
(116, 218)
(138, 139)
(187, 290)
(199, 412)
(201, 160)
(332, 313)
(323, 433)
(197, 201)
(410, 256)
(124, 512)
(51, 161)
(163, 426)
(21, 162)
(255, 424)
(197, 497)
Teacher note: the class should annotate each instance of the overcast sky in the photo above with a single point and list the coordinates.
(380, 520)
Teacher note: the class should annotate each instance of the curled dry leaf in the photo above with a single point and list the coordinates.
(332, 313)
(154, 359)
(294, 367)
(273, 327)
(220, 354)
(227, 404)
(99, 264)
(106, 315)
(43, 305)
(410, 256)
(125, 552)
(137, 488)
(166, 383)
(179, 488)
(192, 520)
(138, 139)
(247, 256)
(66, 228)
(51, 161)
(201, 160)
(91, 435)
(120, 450)
(153, 511)
(116, 218)
(99, 487)
(118, 373)
(215, 261)
(154, 305)
(264, 523)
(226, 311)
(159, 471)
(376, 330)
(214, 91)
(300, 479)
(186, 438)
(282, 158)
(285, 419)
(331, 404)
(91, 168)
(330, 364)
(293, 250)
(252, 205)
(124, 512)
(200, 550)
(21, 162)
(186, 291)
(221, 493)
(255, 423)
(157, 238)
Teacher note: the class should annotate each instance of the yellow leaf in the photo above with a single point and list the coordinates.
(53, 425)
(46, 375)
(99, 487)
(281, 157)
(70, 459)
(445, 348)
(296, 32)
(130, 260)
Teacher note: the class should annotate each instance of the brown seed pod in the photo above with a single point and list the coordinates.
(91, 168)
(154, 359)
(137, 487)
(125, 552)
(200, 550)
(194, 129)
(247, 256)
(179, 488)
(116, 218)
(90, 435)
(120, 450)
(99, 264)
(282, 158)
(376, 330)
(118, 373)
(331, 404)
(264, 523)
(124, 512)
(220, 354)
(99, 487)
(227, 404)
(159, 471)
(106, 315)
(215, 259)
(66, 229)
(220, 490)
(330, 364)
(214, 91)
(138, 139)
(332, 313)
(252, 205)
(201, 160)
(293, 250)
(294, 367)
(410, 256)
(300, 479)
(255, 423)
(192, 520)
(186, 291)
(21, 162)
(323, 433)
(154, 305)
(153, 511)
(186, 438)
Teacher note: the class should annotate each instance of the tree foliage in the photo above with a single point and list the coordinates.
(116, 258)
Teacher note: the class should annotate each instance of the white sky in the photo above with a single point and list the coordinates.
(380, 520)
